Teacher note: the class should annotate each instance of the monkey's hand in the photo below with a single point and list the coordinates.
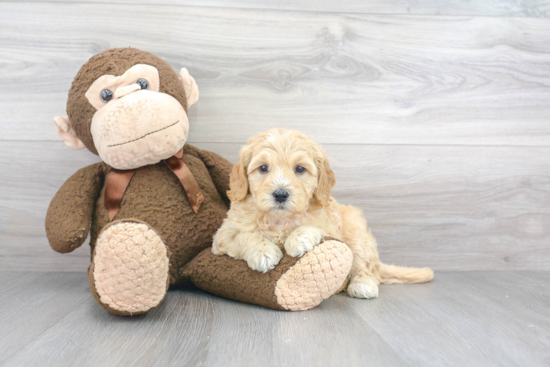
(70, 213)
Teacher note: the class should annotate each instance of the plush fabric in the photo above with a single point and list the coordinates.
(156, 197)
(156, 239)
(114, 62)
(317, 276)
(297, 283)
(130, 267)
(69, 215)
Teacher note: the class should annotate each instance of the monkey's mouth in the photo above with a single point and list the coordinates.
(136, 139)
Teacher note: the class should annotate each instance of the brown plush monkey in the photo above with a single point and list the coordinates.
(154, 203)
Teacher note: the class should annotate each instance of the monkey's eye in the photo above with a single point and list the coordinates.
(300, 169)
(263, 169)
(143, 83)
(106, 95)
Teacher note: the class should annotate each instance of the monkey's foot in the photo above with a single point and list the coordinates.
(296, 283)
(129, 272)
(316, 276)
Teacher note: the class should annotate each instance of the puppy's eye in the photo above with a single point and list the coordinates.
(263, 169)
(300, 169)
(143, 83)
(106, 95)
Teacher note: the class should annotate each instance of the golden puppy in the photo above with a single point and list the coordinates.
(281, 198)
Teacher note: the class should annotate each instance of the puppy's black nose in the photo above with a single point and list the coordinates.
(280, 195)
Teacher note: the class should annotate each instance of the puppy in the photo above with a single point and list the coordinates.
(281, 199)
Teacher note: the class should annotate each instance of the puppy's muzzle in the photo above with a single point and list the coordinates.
(280, 195)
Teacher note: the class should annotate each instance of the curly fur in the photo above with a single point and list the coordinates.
(258, 228)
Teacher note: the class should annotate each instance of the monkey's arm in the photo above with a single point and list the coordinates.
(219, 169)
(70, 213)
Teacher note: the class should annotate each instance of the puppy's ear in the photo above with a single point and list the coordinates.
(326, 180)
(239, 178)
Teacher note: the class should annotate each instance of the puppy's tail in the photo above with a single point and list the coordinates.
(391, 274)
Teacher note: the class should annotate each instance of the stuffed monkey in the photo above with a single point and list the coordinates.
(154, 203)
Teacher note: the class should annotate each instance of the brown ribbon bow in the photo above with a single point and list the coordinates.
(118, 180)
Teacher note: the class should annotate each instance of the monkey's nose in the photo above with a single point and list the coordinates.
(280, 195)
(123, 91)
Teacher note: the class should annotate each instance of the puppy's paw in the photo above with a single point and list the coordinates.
(302, 240)
(263, 257)
(363, 288)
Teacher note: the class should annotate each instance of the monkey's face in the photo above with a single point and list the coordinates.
(135, 124)
(128, 106)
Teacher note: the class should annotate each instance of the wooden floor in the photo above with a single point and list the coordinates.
(460, 319)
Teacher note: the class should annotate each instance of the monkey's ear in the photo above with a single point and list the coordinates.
(191, 89)
(65, 131)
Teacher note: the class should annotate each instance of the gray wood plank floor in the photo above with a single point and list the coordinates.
(459, 319)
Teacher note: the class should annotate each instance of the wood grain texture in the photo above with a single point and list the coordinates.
(31, 303)
(342, 78)
(502, 313)
(436, 125)
(477, 318)
(451, 208)
(502, 8)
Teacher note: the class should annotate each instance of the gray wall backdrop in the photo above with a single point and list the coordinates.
(435, 114)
